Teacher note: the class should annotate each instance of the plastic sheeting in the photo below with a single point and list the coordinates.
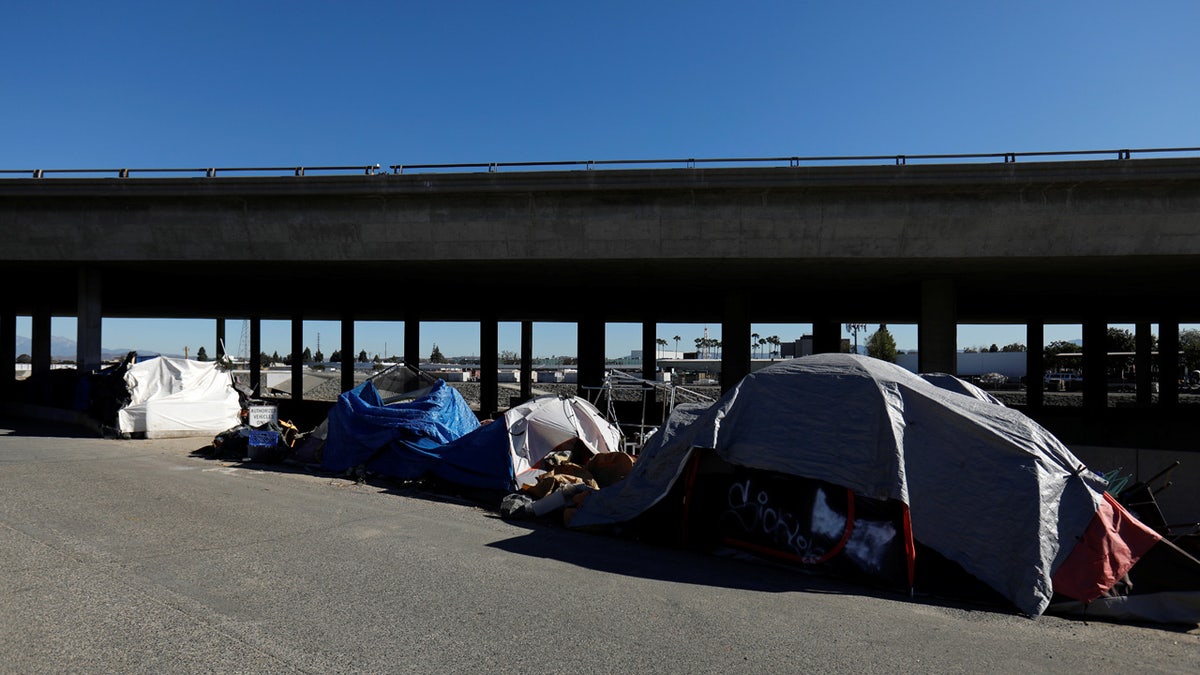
(986, 486)
(952, 383)
(401, 440)
(178, 397)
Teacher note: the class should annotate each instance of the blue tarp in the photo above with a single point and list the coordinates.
(403, 440)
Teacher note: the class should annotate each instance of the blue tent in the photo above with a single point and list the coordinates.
(407, 440)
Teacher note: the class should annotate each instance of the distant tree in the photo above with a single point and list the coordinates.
(319, 357)
(1014, 347)
(756, 342)
(661, 343)
(882, 345)
(509, 357)
(362, 356)
(1119, 340)
(264, 359)
(1189, 344)
(201, 355)
(274, 356)
(24, 358)
(336, 356)
(1052, 350)
(376, 359)
(854, 329)
(436, 355)
(306, 356)
(775, 343)
(676, 339)
(970, 350)
(993, 349)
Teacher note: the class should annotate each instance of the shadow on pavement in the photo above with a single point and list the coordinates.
(34, 428)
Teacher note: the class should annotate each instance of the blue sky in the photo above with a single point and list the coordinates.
(165, 84)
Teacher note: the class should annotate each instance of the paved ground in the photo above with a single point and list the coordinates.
(136, 556)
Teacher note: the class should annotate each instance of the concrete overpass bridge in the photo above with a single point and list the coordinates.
(1086, 238)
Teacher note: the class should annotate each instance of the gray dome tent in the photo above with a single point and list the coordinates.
(981, 484)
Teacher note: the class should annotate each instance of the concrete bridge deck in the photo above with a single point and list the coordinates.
(1088, 242)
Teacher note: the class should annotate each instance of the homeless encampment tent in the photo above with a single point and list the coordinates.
(437, 434)
(401, 440)
(178, 397)
(839, 456)
(517, 443)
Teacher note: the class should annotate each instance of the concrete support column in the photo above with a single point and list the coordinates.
(827, 336)
(937, 334)
(1168, 362)
(348, 353)
(735, 341)
(526, 360)
(255, 355)
(591, 355)
(489, 363)
(1143, 363)
(39, 354)
(89, 317)
(1035, 363)
(297, 360)
(1095, 363)
(8, 349)
(649, 350)
(220, 337)
(412, 346)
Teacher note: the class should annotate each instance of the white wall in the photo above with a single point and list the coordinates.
(1009, 364)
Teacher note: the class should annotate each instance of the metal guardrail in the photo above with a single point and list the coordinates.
(209, 172)
(590, 165)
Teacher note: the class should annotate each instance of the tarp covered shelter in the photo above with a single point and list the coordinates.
(980, 484)
(401, 440)
(516, 443)
(178, 397)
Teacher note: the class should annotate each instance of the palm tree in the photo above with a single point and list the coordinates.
(754, 341)
(774, 340)
(853, 329)
(661, 343)
(676, 338)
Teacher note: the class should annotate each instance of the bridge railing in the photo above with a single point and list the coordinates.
(209, 172)
(593, 164)
(794, 161)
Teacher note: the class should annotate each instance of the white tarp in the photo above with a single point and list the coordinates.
(178, 397)
(986, 486)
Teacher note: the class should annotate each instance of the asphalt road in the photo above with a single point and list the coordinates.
(135, 556)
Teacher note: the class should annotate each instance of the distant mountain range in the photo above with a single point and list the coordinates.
(67, 349)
